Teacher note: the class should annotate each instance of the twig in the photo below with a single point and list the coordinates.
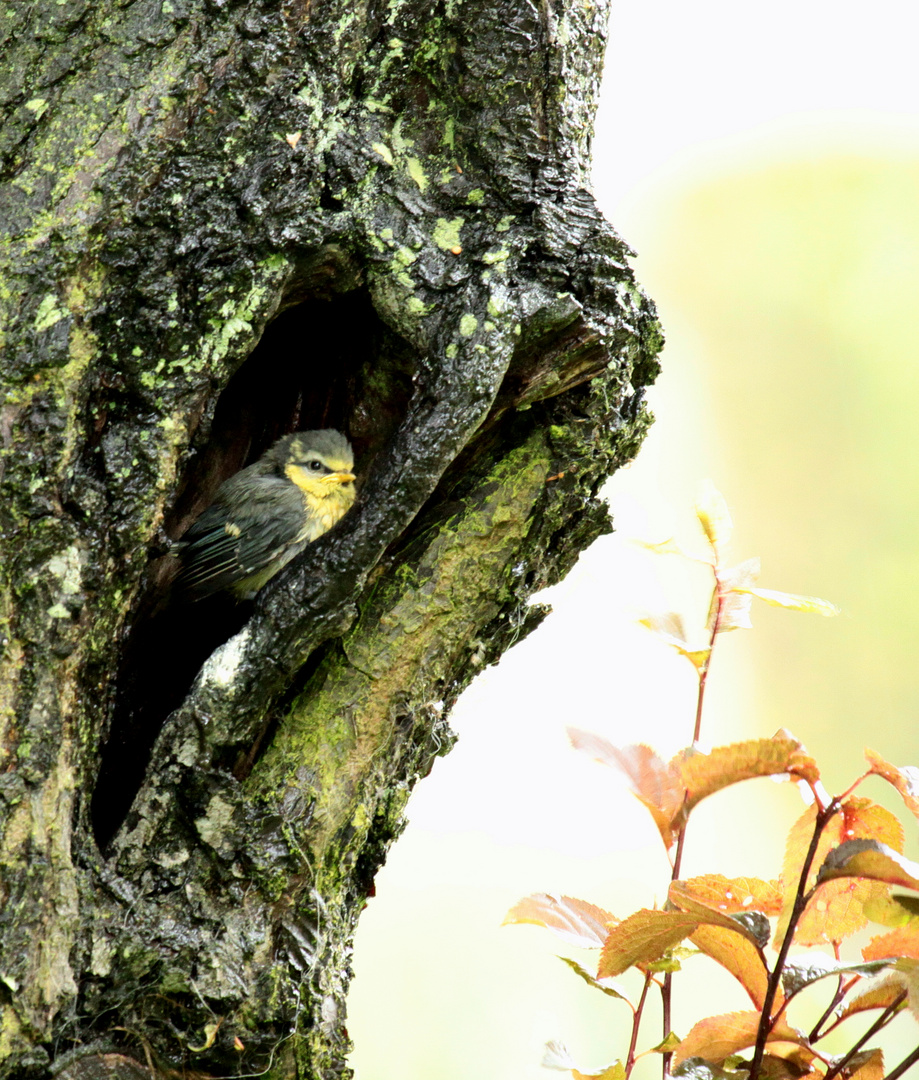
(842, 989)
(905, 1064)
(885, 1018)
(636, 1022)
(716, 608)
(801, 899)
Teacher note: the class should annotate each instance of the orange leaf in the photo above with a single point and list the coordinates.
(868, 1065)
(738, 956)
(905, 780)
(717, 1037)
(901, 942)
(654, 783)
(733, 895)
(685, 900)
(881, 996)
(704, 774)
(643, 937)
(837, 910)
(576, 921)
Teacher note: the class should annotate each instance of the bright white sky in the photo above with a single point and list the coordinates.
(691, 88)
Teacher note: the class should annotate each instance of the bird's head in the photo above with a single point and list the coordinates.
(320, 463)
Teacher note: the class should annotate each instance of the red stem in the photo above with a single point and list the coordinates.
(718, 602)
(636, 1021)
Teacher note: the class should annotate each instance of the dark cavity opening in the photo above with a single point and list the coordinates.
(320, 363)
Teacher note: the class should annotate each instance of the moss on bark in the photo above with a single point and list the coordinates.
(226, 220)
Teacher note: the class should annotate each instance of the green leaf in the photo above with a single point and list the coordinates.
(605, 985)
(667, 1046)
(892, 911)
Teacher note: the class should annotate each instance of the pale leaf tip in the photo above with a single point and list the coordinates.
(713, 514)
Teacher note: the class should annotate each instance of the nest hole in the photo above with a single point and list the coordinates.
(328, 362)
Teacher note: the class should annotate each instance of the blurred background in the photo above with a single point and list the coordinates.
(763, 160)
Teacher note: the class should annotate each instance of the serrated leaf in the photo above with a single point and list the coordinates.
(804, 970)
(880, 996)
(604, 985)
(717, 1037)
(905, 779)
(869, 859)
(837, 909)
(654, 783)
(702, 775)
(714, 516)
(898, 943)
(643, 937)
(866, 1065)
(811, 605)
(688, 902)
(575, 921)
(733, 895)
(739, 957)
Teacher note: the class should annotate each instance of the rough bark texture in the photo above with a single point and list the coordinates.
(228, 220)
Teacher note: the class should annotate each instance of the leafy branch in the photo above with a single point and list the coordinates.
(843, 859)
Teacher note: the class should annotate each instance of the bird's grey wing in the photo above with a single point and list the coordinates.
(241, 533)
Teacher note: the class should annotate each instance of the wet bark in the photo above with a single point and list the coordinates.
(226, 221)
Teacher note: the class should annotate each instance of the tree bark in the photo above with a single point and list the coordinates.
(228, 220)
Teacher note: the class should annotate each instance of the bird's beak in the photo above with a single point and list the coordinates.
(339, 478)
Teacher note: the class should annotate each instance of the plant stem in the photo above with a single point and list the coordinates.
(715, 607)
(718, 604)
(885, 1018)
(842, 989)
(801, 898)
(665, 1008)
(905, 1064)
(636, 1021)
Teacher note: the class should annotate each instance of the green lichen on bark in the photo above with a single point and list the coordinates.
(223, 221)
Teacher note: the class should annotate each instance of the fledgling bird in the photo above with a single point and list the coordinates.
(266, 514)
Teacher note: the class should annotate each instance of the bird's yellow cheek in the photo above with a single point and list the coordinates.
(308, 484)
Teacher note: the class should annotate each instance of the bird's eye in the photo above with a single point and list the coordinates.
(314, 465)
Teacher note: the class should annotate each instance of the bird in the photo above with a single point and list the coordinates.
(266, 514)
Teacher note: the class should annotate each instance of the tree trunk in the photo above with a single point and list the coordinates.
(229, 220)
